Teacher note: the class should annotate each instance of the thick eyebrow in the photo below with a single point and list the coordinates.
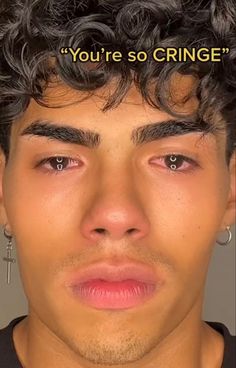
(170, 128)
(63, 133)
(141, 135)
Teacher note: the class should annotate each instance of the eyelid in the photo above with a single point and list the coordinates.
(192, 161)
(40, 163)
(194, 156)
(186, 158)
(60, 152)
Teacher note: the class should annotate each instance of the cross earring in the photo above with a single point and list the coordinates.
(8, 257)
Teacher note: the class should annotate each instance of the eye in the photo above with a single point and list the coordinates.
(58, 164)
(174, 162)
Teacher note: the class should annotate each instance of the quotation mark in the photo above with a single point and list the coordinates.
(225, 50)
(64, 50)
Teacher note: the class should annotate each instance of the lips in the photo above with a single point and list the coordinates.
(114, 286)
(116, 272)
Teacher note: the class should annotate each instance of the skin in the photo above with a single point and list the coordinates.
(178, 217)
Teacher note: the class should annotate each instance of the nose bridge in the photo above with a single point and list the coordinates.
(116, 178)
(115, 209)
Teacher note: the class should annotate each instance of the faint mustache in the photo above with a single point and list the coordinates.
(88, 256)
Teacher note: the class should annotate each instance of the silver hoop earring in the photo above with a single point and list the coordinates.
(8, 257)
(229, 237)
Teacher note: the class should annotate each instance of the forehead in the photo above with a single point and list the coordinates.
(75, 106)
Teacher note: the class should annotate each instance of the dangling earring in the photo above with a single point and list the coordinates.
(8, 257)
(229, 237)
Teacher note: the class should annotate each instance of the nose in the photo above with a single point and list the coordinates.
(115, 213)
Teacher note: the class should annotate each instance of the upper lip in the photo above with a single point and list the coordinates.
(115, 272)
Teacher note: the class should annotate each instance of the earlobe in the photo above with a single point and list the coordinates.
(3, 215)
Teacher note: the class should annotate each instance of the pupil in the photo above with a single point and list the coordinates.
(173, 162)
(59, 163)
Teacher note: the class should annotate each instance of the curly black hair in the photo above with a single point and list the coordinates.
(32, 33)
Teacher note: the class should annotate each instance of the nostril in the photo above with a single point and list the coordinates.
(100, 230)
(131, 231)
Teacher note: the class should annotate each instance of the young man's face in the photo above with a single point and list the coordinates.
(117, 186)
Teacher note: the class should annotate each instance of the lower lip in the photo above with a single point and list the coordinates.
(101, 294)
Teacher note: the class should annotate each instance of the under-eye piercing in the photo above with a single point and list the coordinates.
(8, 257)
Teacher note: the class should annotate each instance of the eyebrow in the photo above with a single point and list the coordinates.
(141, 135)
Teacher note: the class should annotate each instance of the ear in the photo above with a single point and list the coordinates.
(230, 212)
(3, 215)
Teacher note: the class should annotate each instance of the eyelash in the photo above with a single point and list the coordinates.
(70, 160)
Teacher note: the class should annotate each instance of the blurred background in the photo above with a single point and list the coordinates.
(219, 306)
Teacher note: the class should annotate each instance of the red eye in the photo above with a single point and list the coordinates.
(174, 162)
(58, 164)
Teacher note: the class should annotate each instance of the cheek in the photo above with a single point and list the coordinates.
(35, 201)
(186, 211)
(40, 215)
(41, 219)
